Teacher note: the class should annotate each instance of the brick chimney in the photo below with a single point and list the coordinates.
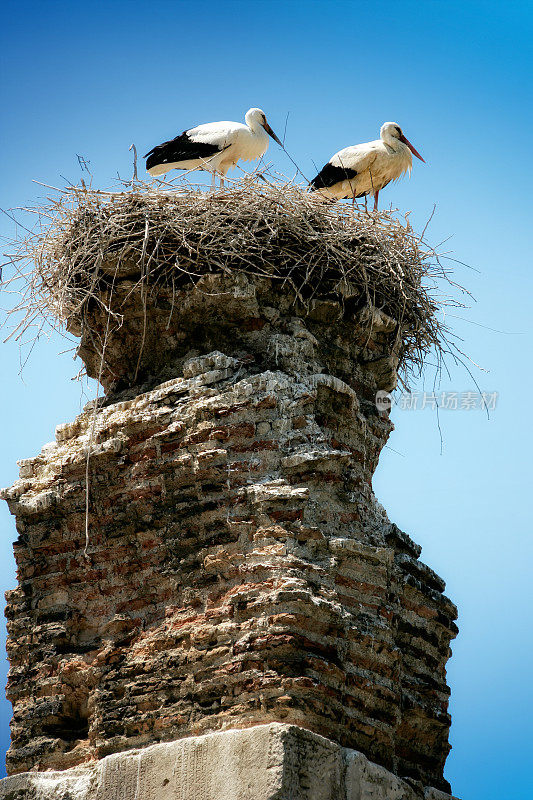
(242, 600)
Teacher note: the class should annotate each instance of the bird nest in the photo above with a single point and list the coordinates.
(86, 241)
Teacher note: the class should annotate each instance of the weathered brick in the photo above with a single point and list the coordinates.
(238, 568)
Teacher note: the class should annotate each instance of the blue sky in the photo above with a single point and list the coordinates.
(90, 78)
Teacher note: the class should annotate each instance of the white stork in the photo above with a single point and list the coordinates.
(214, 146)
(366, 168)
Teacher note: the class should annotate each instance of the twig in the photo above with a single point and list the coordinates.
(135, 177)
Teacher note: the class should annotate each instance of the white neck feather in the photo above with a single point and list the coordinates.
(253, 123)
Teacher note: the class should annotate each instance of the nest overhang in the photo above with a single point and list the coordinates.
(133, 273)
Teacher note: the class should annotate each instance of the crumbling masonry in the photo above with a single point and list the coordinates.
(238, 569)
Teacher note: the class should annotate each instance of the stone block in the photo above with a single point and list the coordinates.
(266, 762)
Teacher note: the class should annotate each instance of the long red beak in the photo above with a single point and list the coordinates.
(411, 148)
(270, 132)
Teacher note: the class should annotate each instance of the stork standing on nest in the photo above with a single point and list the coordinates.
(215, 147)
(364, 169)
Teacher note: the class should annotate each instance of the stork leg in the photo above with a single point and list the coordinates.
(213, 181)
(376, 195)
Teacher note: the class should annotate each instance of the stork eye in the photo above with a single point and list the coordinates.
(398, 130)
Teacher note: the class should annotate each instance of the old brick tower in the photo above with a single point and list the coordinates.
(236, 618)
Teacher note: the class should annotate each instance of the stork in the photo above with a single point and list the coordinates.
(364, 169)
(214, 146)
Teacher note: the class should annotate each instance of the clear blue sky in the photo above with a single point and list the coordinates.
(90, 78)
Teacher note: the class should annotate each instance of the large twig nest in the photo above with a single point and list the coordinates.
(95, 252)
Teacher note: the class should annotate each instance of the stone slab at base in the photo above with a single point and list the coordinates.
(267, 762)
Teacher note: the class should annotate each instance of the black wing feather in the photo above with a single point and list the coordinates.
(330, 175)
(179, 149)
